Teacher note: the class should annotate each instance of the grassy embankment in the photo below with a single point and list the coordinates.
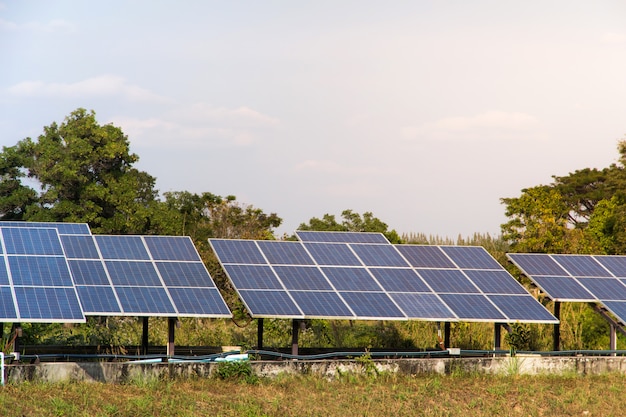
(347, 395)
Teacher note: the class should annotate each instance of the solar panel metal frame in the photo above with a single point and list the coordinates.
(232, 262)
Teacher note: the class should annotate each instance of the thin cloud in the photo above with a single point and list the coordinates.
(491, 125)
(613, 37)
(101, 86)
(235, 117)
(53, 26)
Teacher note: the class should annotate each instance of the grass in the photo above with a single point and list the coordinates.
(358, 395)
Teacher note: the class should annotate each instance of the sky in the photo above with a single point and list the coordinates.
(425, 113)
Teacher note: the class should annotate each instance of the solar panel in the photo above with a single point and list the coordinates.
(62, 228)
(586, 278)
(520, 308)
(35, 281)
(329, 275)
(341, 237)
(142, 275)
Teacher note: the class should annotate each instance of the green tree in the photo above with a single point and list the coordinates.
(81, 171)
(352, 222)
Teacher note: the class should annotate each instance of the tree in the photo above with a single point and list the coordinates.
(352, 222)
(83, 172)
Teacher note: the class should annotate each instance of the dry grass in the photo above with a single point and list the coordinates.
(348, 395)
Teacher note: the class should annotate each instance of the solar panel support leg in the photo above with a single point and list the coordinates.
(259, 334)
(556, 334)
(171, 327)
(144, 336)
(295, 331)
(446, 334)
(497, 336)
(613, 338)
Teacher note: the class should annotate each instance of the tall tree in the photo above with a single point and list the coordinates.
(352, 222)
(80, 171)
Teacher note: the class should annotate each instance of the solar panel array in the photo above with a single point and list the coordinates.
(110, 275)
(578, 278)
(332, 275)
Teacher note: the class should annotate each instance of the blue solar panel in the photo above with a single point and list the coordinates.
(372, 304)
(79, 247)
(472, 307)
(321, 304)
(63, 228)
(495, 282)
(615, 264)
(132, 273)
(145, 300)
(447, 281)
(269, 303)
(302, 278)
(199, 301)
(285, 253)
(605, 288)
(351, 279)
(581, 265)
(399, 279)
(7, 304)
(48, 304)
(424, 306)
(617, 308)
(172, 248)
(252, 277)
(4, 275)
(332, 254)
(421, 256)
(88, 272)
(50, 271)
(31, 241)
(471, 257)
(237, 251)
(341, 237)
(122, 247)
(533, 264)
(563, 288)
(98, 299)
(184, 274)
(521, 308)
(379, 255)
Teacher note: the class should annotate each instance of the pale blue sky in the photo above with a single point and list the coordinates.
(424, 112)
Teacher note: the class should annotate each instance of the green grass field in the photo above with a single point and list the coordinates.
(347, 395)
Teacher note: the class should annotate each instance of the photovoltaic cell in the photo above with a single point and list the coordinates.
(379, 255)
(615, 264)
(7, 304)
(23, 241)
(185, 274)
(199, 301)
(521, 307)
(372, 304)
(495, 282)
(62, 228)
(471, 257)
(351, 279)
(48, 304)
(617, 308)
(44, 271)
(581, 265)
(534, 264)
(341, 237)
(122, 247)
(399, 279)
(332, 254)
(145, 300)
(472, 306)
(98, 299)
(420, 305)
(269, 303)
(302, 278)
(286, 253)
(237, 251)
(447, 281)
(421, 256)
(253, 277)
(605, 288)
(79, 247)
(172, 248)
(321, 304)
(88, 272)
(563, 289)
(132, 273)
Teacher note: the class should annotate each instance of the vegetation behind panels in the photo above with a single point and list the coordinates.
(81, 171)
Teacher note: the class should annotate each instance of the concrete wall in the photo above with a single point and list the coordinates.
(122, 372)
